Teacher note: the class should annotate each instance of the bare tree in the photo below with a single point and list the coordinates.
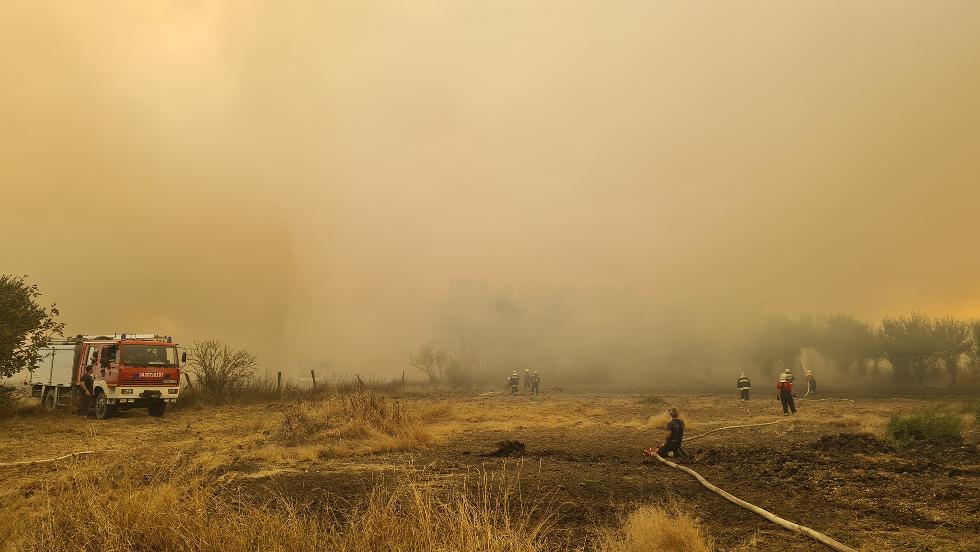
(220, 370)
(431, 360)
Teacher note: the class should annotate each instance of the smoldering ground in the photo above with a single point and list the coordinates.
(315, 181)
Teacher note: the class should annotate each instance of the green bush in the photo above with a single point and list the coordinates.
(972, 407)
(934, 424)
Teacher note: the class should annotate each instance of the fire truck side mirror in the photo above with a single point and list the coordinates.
(183, 357)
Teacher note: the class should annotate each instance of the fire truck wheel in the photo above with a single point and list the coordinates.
(157, 409)
(49, 401)
(103, 409)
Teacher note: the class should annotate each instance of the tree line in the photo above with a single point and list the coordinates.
(916, 347)
(480, 332)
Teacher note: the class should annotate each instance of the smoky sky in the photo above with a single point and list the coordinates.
(309, 179)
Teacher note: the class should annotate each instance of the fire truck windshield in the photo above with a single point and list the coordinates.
(149, 355)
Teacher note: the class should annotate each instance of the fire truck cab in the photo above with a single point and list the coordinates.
(129, 371)
(138, 371)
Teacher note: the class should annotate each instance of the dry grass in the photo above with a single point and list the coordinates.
(178, 507)
(526, 412)
(261, 390)
(655, 529)
(173, 512)
(594, 411)
(658, 421)
(751, 543)
(361, 423)
(866, 423)
(169, 484)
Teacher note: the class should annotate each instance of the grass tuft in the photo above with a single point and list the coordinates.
(655, 529)
(972, 407)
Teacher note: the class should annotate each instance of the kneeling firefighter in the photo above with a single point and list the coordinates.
(673, 439)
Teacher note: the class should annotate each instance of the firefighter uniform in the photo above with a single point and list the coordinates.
(675, 437)
(86, 402)
(811, 382)
(535, 382)
(784, 392)
(513, 381)
(743, 386)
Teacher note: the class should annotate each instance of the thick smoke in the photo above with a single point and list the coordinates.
(308, 180)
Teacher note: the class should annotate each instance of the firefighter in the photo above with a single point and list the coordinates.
(527, 379)
(743, 386)
(513, 381)
(535, 382)
(674, 437)
(784, 392)
(87, 386)
(811, 382)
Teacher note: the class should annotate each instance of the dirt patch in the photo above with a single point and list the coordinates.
(508, 447)
(852, 443)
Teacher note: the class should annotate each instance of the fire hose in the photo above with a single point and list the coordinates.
(807, 394)
(820, 537)
(46, 460)
(802, 529)
(699, 435)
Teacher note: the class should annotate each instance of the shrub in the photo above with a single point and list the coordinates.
(13, 403)
(7, 400)
(972, 407)
(934, 424)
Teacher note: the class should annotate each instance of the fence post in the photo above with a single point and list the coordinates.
(279, 384)
(313, 375)
(188, 378)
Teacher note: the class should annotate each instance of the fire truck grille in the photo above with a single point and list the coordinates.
(137, 381)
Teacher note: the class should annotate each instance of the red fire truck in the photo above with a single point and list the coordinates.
(130, 371)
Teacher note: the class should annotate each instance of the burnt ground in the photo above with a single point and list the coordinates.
(853, 486)
(581, 461)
